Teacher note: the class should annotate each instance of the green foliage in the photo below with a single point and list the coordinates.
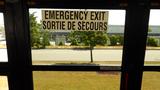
(34, 31)
(120, 40)
(88, 38)
(101, 38)
(60, 44)
(45, 39)
(74, 42)
(39, 38)
(152, 41)
(73, 37)
(113, 40)
(149, 29)
(116, 40)
(1, 29)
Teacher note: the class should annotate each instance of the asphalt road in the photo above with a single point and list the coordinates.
(3, 55)
(76, 55)
(80, 55)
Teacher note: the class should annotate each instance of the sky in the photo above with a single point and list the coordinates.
(116, 17)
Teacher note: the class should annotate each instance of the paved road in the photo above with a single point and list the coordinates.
(84, 55)
(76, 55)
(3, 55)
(81, 55)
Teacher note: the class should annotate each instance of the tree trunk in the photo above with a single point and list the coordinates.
(91, 48)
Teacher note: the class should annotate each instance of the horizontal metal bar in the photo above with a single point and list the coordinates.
(151, 68)
(75, 68)
(74, 4)
(3, 68)
(86, 68)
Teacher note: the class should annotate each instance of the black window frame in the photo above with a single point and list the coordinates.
(19, 66)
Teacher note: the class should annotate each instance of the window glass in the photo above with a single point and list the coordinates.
(3, 83)
(3, 49)
(150, 81)
(152, 56)
(76, 80)
(63, 37)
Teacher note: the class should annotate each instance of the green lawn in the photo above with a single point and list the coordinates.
(36, 62)
(75, 81)
(151, 81)
(88, 80)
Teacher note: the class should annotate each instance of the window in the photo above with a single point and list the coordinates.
(108, 48)
(153, 39)
(3, 83)
(59, 52)
(69, 80)
(3, 49)
(3, 56)
(150, 79)
(23, 61)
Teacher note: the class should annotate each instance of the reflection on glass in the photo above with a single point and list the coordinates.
(3, 83)
(3, 50)
(76, 80)
(152, 56)
(151, 80)
(76, 47)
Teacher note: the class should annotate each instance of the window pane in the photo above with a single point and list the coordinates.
(76, 80)
(66, 46)
(152, 56)
(3, 83)
(3, 50)
(151, 81)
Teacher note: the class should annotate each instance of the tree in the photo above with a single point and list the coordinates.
(73, 38)
(113, 40)
(116, 40)
(39, 37)
(88, 38)
(151, 41)
(2, 31)
(34, 31)
(44, 38)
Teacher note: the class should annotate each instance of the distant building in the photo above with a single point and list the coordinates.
(61, 36)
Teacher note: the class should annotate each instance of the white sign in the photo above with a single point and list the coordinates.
(80, 20)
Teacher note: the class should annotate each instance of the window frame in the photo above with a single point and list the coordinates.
(22, 43)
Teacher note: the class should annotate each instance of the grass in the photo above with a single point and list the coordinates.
(152, 62)
(151, 81)
(54, 80)
(76, 81)
(88, 80)
(36, 62)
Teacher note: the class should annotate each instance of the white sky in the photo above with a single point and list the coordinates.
(116, 17)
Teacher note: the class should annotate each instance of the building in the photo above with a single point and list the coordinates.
(61, 36)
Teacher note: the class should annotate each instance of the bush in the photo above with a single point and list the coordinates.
(74, 42)
(120, 40)
(152, 42)
(61, 44)
(116, 40)
(113, 40)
